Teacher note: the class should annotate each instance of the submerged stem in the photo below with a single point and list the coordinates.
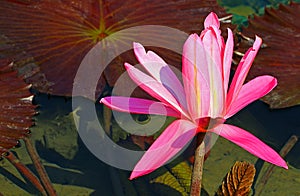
(25, 172)
(39, 167)
(260, 185)
(198, 167)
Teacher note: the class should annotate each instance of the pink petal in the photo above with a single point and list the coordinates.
(195, 77)
(227, 59)
(138, 106)
(211, 19)
(251, 91)
(250, 143)
(242, 71)
(214, 60)
(160, 71)
(168, 144)
(217, 32)
(153, 88)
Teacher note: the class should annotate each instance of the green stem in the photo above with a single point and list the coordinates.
(198, 167)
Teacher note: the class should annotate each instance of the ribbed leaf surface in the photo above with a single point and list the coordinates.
(280, 30)
(59, 33)
(238, 181)
(16, 109)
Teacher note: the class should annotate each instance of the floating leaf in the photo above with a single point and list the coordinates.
(170, 181)
(16, 108)
(177, 177)
(183, 172)
(238, 181)
(279, 29)
(59, 33)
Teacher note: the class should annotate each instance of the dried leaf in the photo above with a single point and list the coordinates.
(16, 108)
(59, 33)
(279, 29)
(238, 181)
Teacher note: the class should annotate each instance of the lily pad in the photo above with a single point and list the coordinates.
(59, 33)
(177, 177)
(279, 29)
(16, 109)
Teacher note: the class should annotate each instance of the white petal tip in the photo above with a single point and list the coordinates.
(137, 45)
(285, 166)
(127, 66)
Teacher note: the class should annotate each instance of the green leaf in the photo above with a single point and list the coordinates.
(177, 177)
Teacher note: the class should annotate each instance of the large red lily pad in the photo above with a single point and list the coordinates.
(280, 31)
(59, 33)
(16, 109)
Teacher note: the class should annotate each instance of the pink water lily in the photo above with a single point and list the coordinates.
(203, 102)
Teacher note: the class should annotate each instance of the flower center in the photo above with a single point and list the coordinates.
(208, 123)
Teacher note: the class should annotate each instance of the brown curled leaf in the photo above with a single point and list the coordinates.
(238, 181)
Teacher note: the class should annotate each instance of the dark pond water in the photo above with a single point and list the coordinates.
(75, 170)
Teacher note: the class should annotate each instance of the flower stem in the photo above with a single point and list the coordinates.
(39, 167)
(25, 172)
(198, 167)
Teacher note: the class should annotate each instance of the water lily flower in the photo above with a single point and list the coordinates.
(202, 101)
